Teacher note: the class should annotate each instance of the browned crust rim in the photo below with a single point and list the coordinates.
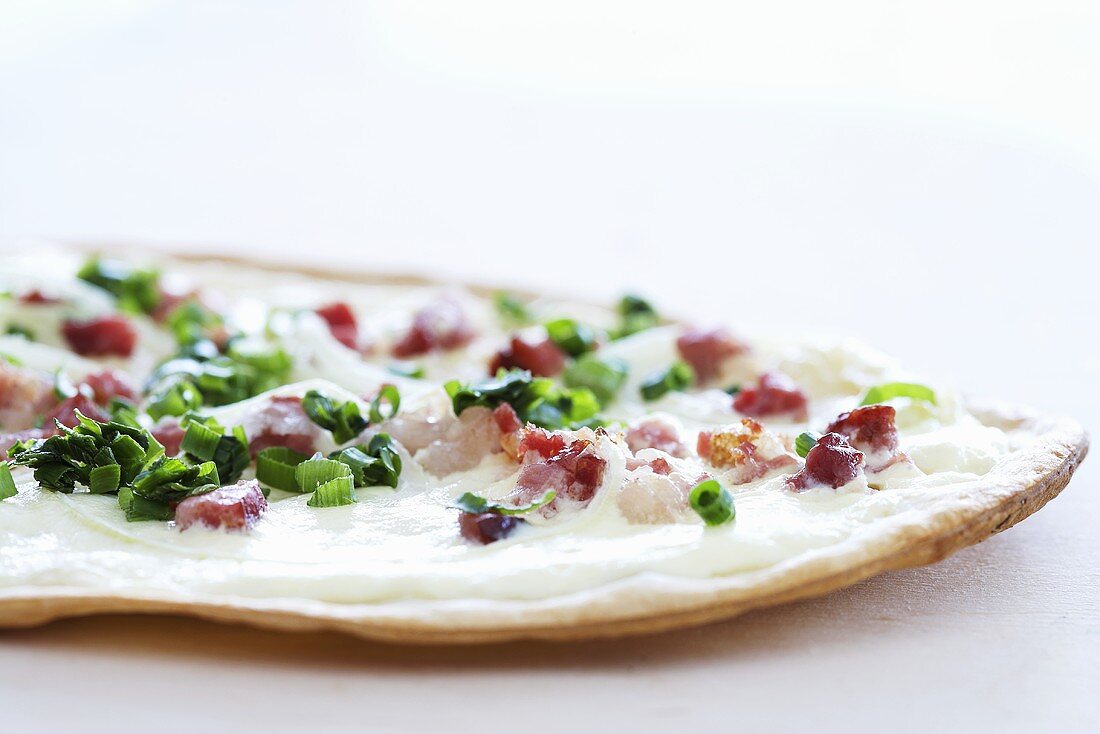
(1012, 491)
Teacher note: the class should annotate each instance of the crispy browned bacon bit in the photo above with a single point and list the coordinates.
(441, 324)
(573, 473)
(707, 349)
(36, 297)
(65, 411)
(170, 435)
(747, 450)
(541, 357)
(655, 433)
(341, 323)
(105, 336)
(236, 507)
(488, 527)
(108, 385)
(774, 394)
(24, 396)
(830, 463)
(282, 422)
(506, 418)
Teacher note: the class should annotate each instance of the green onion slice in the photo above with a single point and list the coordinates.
(275, 467)
(312, 473)
(511, 309)
(712, 502)
(7, 482)
(390, 395)
(476, 504)
(200, 441)
(571, 337)
(678, 376)
(890, 390)
(334, 493)
(604, 377)
(105, 479)
(805, 442)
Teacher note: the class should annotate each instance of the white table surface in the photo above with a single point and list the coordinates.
(927, 179)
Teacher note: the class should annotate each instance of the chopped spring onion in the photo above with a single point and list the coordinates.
(343, 420)
(604, 377)
(636, 315)
(470, 502)
(105, 479)
(373, 465)
(678, 376)
(63, 387)
(175, 397)
(390, 395)
(313, 472)
(805, 442)
(890, 390)
(200, 440)
(275, 468)
(135, 289)
(139, 508)
(7, 482)
(334, 493)
(20, 330)
(571, 337)
(536, 400)
(511, 309)
(712, 502)
(407, 369)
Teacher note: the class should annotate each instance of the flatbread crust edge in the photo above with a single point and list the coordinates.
(1016, 487)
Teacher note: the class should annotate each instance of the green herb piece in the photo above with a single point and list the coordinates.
(372, 465)
(535, 399)
(315, 471)
(805, 442)
(386, 394)
(173, 397)
(470, 502)
(139, 509)
(888, 391)
(510, 309)
(20, 330)
(712, 502)
(171, 480)
(275, 468)
(191, 322)
(635, 314)
(218, 379)
(7, 482)
(733, 389)
(63, 387)
(105, 479)
(11, 359)
(571, 337)
(604, 377)
(123, 412)
(334, 493)
(136, 290)
(678, 376)
(343, 420)
(203, 440)
(407, 369)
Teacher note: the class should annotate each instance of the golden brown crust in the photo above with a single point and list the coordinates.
(1015, 488)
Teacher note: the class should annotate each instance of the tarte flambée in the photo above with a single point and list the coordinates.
(420, 462)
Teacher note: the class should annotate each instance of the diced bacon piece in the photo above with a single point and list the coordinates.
(542, 357)
(656, 433)
(282, 422)
(506, 418)
(105, 336)
(487, 527)
(35, 297)
(108, 385)
(170, 435)
(830, 463)
(707, 349)
(236, 507)
(24, 396)
(774, 394)
(462, 443)
(538, 443)
(574, 473)
(441, 324)
(7, 440)
(65, 411)
(341, 323)
(747, 450)
(870, 429)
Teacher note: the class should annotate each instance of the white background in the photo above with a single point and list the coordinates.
(923, 175)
